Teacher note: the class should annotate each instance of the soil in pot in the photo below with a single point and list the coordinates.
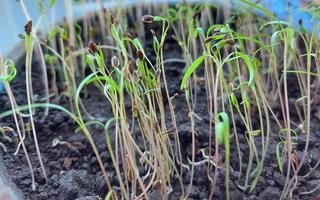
(72, 167)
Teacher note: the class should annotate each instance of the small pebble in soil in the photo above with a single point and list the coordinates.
(270, 193)
(93, 161)
(302, 141)
(42, 196)
(25, 182)
(194, 191)
(236, 194)
(70, 184)
(39, 176)
(155, 195)
(85, 166)
(101, 186)
(54, 165)
(105, 156)
(279, 178)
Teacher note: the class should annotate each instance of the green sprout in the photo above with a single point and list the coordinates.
(222, 131)
(284, 143)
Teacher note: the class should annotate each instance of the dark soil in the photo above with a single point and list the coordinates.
(75, 174)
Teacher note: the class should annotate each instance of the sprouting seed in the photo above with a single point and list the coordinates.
(153, 32)
(75, 146)
(28, 27)
(130, 174)
(230, 42)
(6, 130)
(158, 73)
(147, 19)
(55, 142)
(112, 20)
(294, 157)
(130, 67)
(131, 34)
(67, 161)
(115, 61)
(104, 10)
(196, 15)
(139, 54)
(209, 39)
(93, 48)
(231, 87)
(157, 185)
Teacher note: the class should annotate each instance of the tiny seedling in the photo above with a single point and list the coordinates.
(285, 144)
(5, 131)
(222, 131)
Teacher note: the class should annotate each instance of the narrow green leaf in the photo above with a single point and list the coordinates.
(213, 28)
(54, 32)
(249, 63)
(89, 123)
(276, 22)
(158, 19)
(234, 100)
(37, 105)
(265, 11)
(190, 71)
(172, 14)
(278, 156)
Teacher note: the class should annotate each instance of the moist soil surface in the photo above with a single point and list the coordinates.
(74, 173)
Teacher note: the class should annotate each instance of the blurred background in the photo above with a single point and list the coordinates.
(13, 19)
